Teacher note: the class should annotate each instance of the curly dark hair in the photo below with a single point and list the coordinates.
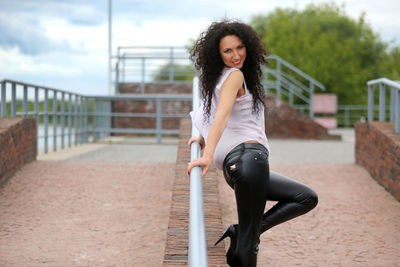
(207, 59)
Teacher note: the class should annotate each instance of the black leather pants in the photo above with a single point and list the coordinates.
(246, 170)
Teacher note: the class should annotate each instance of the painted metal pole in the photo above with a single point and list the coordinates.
(46, 119)
(3, 100)
(382, 102)
(13, 100)
(54, 121)
(25, 102)
(159, 120)
(397, 123)
(370, 103)
(62, 118)
(109, 46)
(197, 236)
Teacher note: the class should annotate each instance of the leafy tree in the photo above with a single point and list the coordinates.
(181, 73)
(340, 52)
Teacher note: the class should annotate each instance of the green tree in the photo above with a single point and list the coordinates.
(181, 73)
(340, 52)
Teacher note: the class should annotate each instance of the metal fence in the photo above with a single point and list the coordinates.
(143, 64)
(61, 116)
(138, 64)
(287, 82)
(65, 119)
(348, 115)
(394, 106)
(197, 236)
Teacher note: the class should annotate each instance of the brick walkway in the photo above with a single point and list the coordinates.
(79, 214)
(114, 212)
(356, 222)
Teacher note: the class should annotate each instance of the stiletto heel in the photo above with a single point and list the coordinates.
(232, 233)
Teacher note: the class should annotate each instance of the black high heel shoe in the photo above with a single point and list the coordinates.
(232, 233)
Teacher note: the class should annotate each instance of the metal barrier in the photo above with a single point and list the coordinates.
(197, 236)
(143, 64)
(347, 115)
(68, 112)
(106, 129)
(394, 100)
(290, 82)
(66, 118)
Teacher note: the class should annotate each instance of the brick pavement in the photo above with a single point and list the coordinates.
(79, 214)
(356, 222)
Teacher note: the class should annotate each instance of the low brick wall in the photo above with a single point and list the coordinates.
(17, 144)
(157, 88)
(149, 106)
(176, 249)
(378, 151)
(283, 121)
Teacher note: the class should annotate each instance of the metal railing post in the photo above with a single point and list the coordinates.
(159, 120)
(62, 119)
(25, 102)
(69, 119)
(54, 121)
(382, 102)
(36, 111)
(3, 100)
(46, 119)
(392, 104)
(311, 104)
(171, 65)
(13, 100)
(278, 79)
(143, 75)
(370, 103)
(397, 122)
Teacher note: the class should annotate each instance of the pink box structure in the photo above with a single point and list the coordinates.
(325, 104)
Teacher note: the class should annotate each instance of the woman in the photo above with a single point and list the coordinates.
(232, 134)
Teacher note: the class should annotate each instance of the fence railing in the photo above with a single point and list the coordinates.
(65, 119)
(60, 115)
(347, 115)
(394, 100)
(197, 236)
(290, 82)
(143, 64)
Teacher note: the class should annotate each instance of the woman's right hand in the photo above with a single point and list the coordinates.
(199, 139)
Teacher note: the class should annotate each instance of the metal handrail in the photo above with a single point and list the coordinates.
(197, 236)
(68, 119)
(394, 100)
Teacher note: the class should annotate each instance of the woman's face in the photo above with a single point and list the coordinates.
(232, 51)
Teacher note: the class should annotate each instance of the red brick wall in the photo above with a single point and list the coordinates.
(378, 150)
(176, 248)
(157, 88)
(17, 144)
(281, 120)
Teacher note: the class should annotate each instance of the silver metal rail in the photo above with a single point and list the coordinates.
(197, 236)
(35, 103)
(144, 64)
(394, 100)
(64, 118)
(289, 85)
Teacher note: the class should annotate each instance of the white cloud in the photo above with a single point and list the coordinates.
(64, 43)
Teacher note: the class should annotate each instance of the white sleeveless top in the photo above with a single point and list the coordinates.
(243, 125)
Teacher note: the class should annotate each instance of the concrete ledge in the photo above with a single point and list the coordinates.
(176, 249)
(17, 144)
(378, 150)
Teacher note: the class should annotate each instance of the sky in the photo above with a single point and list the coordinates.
(64, 43)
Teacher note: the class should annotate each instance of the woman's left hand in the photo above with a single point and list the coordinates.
(203, 162)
